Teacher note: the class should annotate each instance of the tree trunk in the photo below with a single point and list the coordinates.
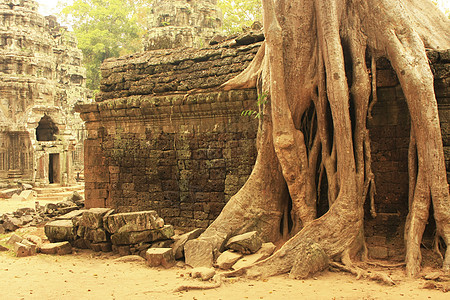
(313, 66)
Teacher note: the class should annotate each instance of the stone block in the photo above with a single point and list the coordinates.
(60, 230)
(14, 238)
(103, 247)
(32, 246)
(134, 221)
(22, 250)
(11, 223)
(180, 241)
(70, 215)
(246, 243)
(227, 259)
(8, 193)
(93, 218)
(96, 235)
(60, 248)
(198, 253)
(34, 239)
(203, 273)
(266, 250)
(129, 238)
(160, 257)
(2, 248)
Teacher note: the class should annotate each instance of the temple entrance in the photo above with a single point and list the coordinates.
(53, 168)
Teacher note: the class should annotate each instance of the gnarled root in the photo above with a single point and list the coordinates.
(217, 282)
(377, 276)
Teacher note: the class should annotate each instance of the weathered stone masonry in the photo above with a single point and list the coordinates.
(41, 78)
(162, 138)
(153, 145)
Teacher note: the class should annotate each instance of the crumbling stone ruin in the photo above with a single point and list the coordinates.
(182, 23)
(164, 137)
(41, 78)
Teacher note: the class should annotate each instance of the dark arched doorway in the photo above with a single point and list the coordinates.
(46, 130)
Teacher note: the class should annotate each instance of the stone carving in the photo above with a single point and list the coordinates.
(41, 78)
(183, 23)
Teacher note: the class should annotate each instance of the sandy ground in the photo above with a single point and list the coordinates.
(89, 275)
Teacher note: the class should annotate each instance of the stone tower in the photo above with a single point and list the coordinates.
(41, 78)
(183, 23)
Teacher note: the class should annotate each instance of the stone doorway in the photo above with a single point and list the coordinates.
(53, 168)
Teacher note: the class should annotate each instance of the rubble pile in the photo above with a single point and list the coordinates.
(100, 229)
(24, 217)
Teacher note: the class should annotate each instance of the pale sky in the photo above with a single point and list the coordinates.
(47, 7)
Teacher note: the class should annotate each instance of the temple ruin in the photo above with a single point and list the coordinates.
(41, 78)
(187, 23)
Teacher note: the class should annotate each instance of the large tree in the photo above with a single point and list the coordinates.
(313, 67)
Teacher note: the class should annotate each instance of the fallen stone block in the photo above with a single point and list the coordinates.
(129, 238)
(227, 259)
(178, 246)
(133, 221)
(96, 235)
(160, 257)
(70, 215)
(60, 230)
(81, 244)
(103, 247)
(93, 218)
(34, 239)
(32, 246)
(14, 238)
(2, 248)
(11, 223)
(203, 273)
(28, 195)
(60, 248)
(198, 253)
(22, 250)
(266, 250)
(246, 243)
(311, 259)
(121, 250)
(162, 244)
(8, 193)
(67, 209)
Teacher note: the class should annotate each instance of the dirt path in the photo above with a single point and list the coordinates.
(89, 275)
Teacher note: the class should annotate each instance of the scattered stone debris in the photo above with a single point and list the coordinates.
(24, 217)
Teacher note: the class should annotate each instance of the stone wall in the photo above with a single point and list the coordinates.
(155, 144)
(162, 138)
(41, 77)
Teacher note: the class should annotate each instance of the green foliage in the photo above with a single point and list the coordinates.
(239, 13)
(104, 29)
(262, 99)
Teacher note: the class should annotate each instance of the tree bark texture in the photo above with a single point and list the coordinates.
(315, 66)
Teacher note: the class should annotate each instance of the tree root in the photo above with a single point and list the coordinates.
(380, 264)
(207, 286)
(363, 273)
